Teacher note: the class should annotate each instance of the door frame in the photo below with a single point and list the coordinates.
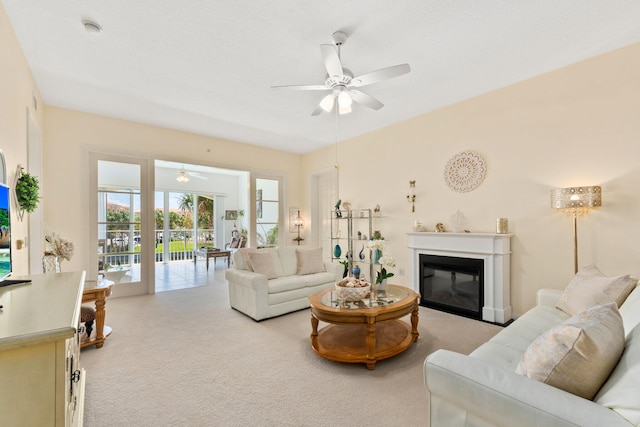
(147, 219)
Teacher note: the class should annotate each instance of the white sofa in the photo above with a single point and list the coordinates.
(260, 297)
(482, 389)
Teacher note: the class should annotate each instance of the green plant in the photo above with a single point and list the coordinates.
(27, 188)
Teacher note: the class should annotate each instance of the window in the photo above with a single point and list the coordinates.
(268, 208)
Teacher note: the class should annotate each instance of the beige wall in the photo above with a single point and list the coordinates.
(573, 127)
(70, 135)
(17, 94)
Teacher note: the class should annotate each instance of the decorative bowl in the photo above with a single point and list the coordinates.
(350, 289)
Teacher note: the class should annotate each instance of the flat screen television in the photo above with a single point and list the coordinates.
(5, 233)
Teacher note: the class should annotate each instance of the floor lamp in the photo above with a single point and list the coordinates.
(575, 202)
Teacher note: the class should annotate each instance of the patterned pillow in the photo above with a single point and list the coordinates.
(578, 355)
(261, 263)
(589, 287)
(309, 261)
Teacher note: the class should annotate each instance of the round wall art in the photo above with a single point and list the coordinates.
(465, 171)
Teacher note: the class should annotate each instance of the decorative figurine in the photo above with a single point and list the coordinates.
(361, 254)
(376, 211)
(338, 213)
(439, 228)
(356, 272)
(337, 251)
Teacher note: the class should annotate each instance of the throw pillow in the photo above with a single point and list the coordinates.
(309, 261)
(589, 287)
(261, 263)
(244, 256)
(578, 355)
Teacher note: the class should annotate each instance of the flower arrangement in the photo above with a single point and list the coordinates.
(376, 244)
(58, 246)
(385, 261)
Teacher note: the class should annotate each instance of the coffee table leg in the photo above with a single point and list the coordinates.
(314, 331)
(414, 321)
(371, 343)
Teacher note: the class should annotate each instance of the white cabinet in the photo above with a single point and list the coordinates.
(41, 382)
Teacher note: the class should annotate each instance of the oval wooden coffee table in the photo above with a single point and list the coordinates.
(364, 331)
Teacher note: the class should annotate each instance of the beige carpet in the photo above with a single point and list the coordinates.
(185, 358)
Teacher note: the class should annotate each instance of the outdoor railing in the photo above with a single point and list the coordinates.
(116, 249)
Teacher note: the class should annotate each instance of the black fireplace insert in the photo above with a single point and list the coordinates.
(452, 284)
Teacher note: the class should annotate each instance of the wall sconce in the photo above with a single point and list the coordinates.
(298, 223)
(411, 195)
(575, 202)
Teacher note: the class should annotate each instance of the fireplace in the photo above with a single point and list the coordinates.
(452, 284)
(492, 284)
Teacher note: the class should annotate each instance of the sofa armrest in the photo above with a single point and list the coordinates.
(336, 268)
(248, 279)
(548, 297)
(463, 388)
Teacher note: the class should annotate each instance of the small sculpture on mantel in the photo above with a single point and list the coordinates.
(376, 211)
(439, 227)
(459, 221)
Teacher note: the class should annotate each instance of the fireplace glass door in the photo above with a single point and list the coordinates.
(451, 284)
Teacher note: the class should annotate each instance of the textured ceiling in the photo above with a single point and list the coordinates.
(207, 67)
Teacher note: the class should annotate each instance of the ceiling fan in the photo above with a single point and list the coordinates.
(183, 175)
(342, 84)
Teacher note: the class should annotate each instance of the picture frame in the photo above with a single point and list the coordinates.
(230, 215)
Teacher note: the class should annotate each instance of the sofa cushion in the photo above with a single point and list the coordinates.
(288, 259)
(309, 261)
(262, 263)
(630, 311)
(621, 392)
(241, 258)
(284, 284)
(243, 262)
(578, 355)
(589, 287)
(311, 280)
(507, 347)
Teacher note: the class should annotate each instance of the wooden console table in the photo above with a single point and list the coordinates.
(212, 253)
(98, 292)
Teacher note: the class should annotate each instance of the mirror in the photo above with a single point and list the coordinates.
(3, 169)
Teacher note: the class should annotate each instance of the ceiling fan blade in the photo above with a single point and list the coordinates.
(331, 60)
(325, 105)
(366, 100)
(196, 175)
(301, 87)
(379, 75)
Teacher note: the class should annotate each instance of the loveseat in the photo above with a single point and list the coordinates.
(483, 388)
(269, 282)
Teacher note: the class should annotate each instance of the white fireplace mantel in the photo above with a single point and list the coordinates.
(494, 249)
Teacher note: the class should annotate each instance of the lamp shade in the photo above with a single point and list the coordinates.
(576, 197)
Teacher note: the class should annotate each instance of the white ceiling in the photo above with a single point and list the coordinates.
(208, 66)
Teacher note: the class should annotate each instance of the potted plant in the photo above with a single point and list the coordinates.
(27, 188)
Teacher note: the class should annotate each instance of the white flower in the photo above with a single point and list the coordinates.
(376, 244)
(387, 261)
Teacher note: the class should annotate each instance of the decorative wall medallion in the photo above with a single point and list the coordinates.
(465, 171)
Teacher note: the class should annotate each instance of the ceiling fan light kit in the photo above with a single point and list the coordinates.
(341, 82)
